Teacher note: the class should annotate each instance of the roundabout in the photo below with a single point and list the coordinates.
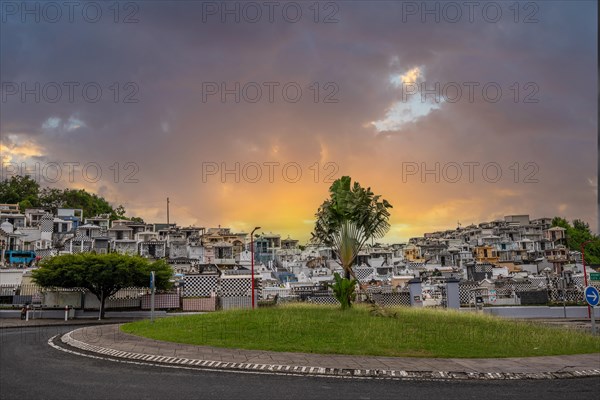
(30, 368)
(110, 343)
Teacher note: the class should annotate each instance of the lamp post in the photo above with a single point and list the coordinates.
(585, 271)
(252, 261)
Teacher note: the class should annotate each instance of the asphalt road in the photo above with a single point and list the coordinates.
(30, 369)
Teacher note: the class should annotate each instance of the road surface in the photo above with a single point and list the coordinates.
(31, 369)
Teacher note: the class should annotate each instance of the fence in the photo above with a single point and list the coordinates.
(209, 293)
(161, 301)
(536, 290)
(383, 296)
(392, 299)
(322, 299)
(92, 303)
(231, 302)
(270, 292)
(199, 303)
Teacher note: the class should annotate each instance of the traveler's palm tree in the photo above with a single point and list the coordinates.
(351, 216)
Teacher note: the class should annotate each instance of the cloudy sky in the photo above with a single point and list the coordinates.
(242, 114)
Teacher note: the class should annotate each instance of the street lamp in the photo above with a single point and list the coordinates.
(585, 271)
(252, 261)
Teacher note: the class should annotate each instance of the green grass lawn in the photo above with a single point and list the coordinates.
(329, 330)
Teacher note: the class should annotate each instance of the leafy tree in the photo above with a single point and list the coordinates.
(348, 219)
(581, 226)
(91, 203)
(344, 290)
(120, 211)
(27, 193)
(51, 198)
(101, 274)
(578, 233)
(22, 190)
(561, 222)
(25, 204)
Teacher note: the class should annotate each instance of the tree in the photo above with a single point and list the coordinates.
(51, 198)
(561, 222)
(348, 219)
(101, 274)
(26, 192)
(345, 222)
(577, 234)
(582, 226)
(120, 211)
(20, 189)
(91, 203)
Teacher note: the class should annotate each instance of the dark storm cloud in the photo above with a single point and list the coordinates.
(171, 130)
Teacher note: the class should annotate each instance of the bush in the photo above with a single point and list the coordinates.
(344, 290)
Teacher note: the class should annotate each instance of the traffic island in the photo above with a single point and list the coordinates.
(110, 343)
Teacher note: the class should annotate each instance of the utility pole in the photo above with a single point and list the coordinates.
(167, 211)
(252, 262)
(152, 290)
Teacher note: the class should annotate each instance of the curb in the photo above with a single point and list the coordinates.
(68, 344)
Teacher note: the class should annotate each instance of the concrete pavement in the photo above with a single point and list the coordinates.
(38, 322)
(107, 341)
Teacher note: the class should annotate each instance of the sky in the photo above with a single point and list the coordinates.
(244, 113)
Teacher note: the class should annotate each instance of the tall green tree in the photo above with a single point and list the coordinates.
(101, 274)
(350, 217)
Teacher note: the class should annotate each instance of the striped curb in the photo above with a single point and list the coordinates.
(67, 343)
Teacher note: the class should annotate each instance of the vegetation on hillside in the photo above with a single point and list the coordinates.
(577, 233)
(26, 192)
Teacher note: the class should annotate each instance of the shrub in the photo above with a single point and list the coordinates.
(344, 290)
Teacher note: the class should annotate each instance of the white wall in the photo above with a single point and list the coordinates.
(11, 277)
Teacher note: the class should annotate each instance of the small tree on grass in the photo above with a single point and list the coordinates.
(348, 219)
(101, 274)
(344, 290)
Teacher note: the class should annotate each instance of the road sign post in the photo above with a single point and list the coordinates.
(493, 295)
(592, 297)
